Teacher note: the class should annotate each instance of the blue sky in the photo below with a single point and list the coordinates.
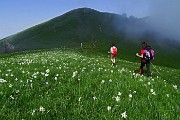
(18, 15)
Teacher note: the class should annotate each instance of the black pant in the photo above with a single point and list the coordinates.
(147, 63)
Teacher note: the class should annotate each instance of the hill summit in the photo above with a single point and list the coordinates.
(70, 29)
(94, 30)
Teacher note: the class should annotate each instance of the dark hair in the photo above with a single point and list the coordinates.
(113, 44)
(143, 44)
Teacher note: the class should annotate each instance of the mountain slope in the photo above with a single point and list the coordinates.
(79, 25)
(95, 29)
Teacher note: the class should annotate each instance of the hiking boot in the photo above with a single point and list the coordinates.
(140, 71)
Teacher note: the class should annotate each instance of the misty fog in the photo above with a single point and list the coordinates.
(161, 23)
(165, 18)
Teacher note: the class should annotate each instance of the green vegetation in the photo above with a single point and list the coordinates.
(99, 30)
(75, 84)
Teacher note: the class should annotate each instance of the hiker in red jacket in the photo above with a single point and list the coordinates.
(144, 61)
(113, 52)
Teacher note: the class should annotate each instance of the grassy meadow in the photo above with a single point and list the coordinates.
(74, 84)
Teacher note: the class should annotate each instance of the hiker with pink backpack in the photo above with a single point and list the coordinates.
(146, 54)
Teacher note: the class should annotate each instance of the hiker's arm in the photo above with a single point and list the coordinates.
(111, 50)
(141, 56)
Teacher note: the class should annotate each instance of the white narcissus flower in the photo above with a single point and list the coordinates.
(2, 80)
(123, 115)
(41, 109)
(12, 97)
(134, 92)
(74, 74)
(17, 91)
(46, 75)
(94, 97)
(33, 112)
(109, 108)
(175, 86)
(103, 81)
(9, 70)
(117, 98)
(79, 99)
(119, 93)
(10, 85)
(130, 95)
(152, 90)
(154, 93)
(47, 71)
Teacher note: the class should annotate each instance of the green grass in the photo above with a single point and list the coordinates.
(74, 84)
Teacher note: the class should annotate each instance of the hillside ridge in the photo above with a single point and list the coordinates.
(95, 30)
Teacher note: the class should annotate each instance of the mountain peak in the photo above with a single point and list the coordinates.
(85, 9)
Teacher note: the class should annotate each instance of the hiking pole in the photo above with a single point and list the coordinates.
(135, 57)
(109, 55)
(156, 70)
(134, 68)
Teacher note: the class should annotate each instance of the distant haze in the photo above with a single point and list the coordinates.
(165, 18)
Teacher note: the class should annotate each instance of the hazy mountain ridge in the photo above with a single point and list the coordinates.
(94, 29)
(74, 26)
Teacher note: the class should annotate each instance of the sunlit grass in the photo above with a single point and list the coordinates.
(67, 84)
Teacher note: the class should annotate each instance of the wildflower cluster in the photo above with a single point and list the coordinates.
(70, 84)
